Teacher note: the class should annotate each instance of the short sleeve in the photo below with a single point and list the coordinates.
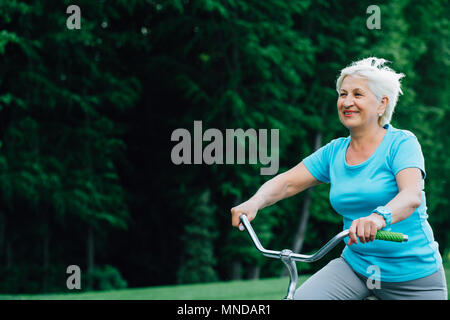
(408, 154)
(318, 163)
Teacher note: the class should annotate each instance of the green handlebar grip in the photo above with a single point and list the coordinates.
(391, 236)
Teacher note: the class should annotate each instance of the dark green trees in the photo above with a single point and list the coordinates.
(86, 118)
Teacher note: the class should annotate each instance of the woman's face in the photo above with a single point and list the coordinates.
(357, 105)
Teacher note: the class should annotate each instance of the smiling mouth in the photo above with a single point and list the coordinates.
(349, 113)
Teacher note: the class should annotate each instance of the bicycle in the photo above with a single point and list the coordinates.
(289, 258)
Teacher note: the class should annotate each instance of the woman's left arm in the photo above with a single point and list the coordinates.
(407, 200)
(409, 197)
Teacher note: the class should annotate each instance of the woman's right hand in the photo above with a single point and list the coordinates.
(249, 208)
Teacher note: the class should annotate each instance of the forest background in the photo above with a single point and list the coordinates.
(87, 116)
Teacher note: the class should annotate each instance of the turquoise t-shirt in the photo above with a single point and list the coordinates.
(356, 190)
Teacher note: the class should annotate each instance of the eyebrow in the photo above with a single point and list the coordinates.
(355, 89)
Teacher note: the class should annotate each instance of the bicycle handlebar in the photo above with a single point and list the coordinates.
(288, 257)
(381, 235)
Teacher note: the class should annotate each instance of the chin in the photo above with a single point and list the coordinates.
(350, 124)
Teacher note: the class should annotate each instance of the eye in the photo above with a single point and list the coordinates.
(342, 94)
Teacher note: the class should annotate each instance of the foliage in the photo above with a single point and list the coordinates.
(198, 261)
(86, 118)
(105, 278)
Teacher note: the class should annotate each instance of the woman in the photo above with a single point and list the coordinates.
(377, 180)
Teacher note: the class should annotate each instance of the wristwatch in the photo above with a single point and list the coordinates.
(386, 213)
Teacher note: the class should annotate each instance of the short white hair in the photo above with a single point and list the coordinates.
(382, 81)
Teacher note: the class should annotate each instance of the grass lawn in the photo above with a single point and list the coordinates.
(264, 289)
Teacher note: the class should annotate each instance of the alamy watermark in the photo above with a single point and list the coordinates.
(374, 281)
(74, 280)
(74, 20)
(234, 140)
(374, 20)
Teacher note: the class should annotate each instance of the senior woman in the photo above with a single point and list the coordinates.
(377, 180)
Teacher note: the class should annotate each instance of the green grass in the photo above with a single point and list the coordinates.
(263, 289)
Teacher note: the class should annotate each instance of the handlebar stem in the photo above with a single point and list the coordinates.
(293, 273)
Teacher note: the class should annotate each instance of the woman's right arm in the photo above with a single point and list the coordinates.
(280, 187)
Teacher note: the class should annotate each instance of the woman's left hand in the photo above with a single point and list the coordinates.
(365, 228)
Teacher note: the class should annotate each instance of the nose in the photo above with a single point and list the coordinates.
(347, 103)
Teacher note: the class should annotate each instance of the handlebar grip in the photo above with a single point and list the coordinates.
(391, 236)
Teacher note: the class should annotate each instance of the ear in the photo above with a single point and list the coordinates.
(382, 107)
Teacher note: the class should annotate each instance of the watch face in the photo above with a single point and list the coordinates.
(383, 210)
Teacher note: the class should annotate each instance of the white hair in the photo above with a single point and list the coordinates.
(382, 81)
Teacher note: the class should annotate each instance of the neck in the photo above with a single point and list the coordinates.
(363, 137)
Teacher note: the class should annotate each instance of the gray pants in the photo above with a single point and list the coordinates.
(338, 281)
